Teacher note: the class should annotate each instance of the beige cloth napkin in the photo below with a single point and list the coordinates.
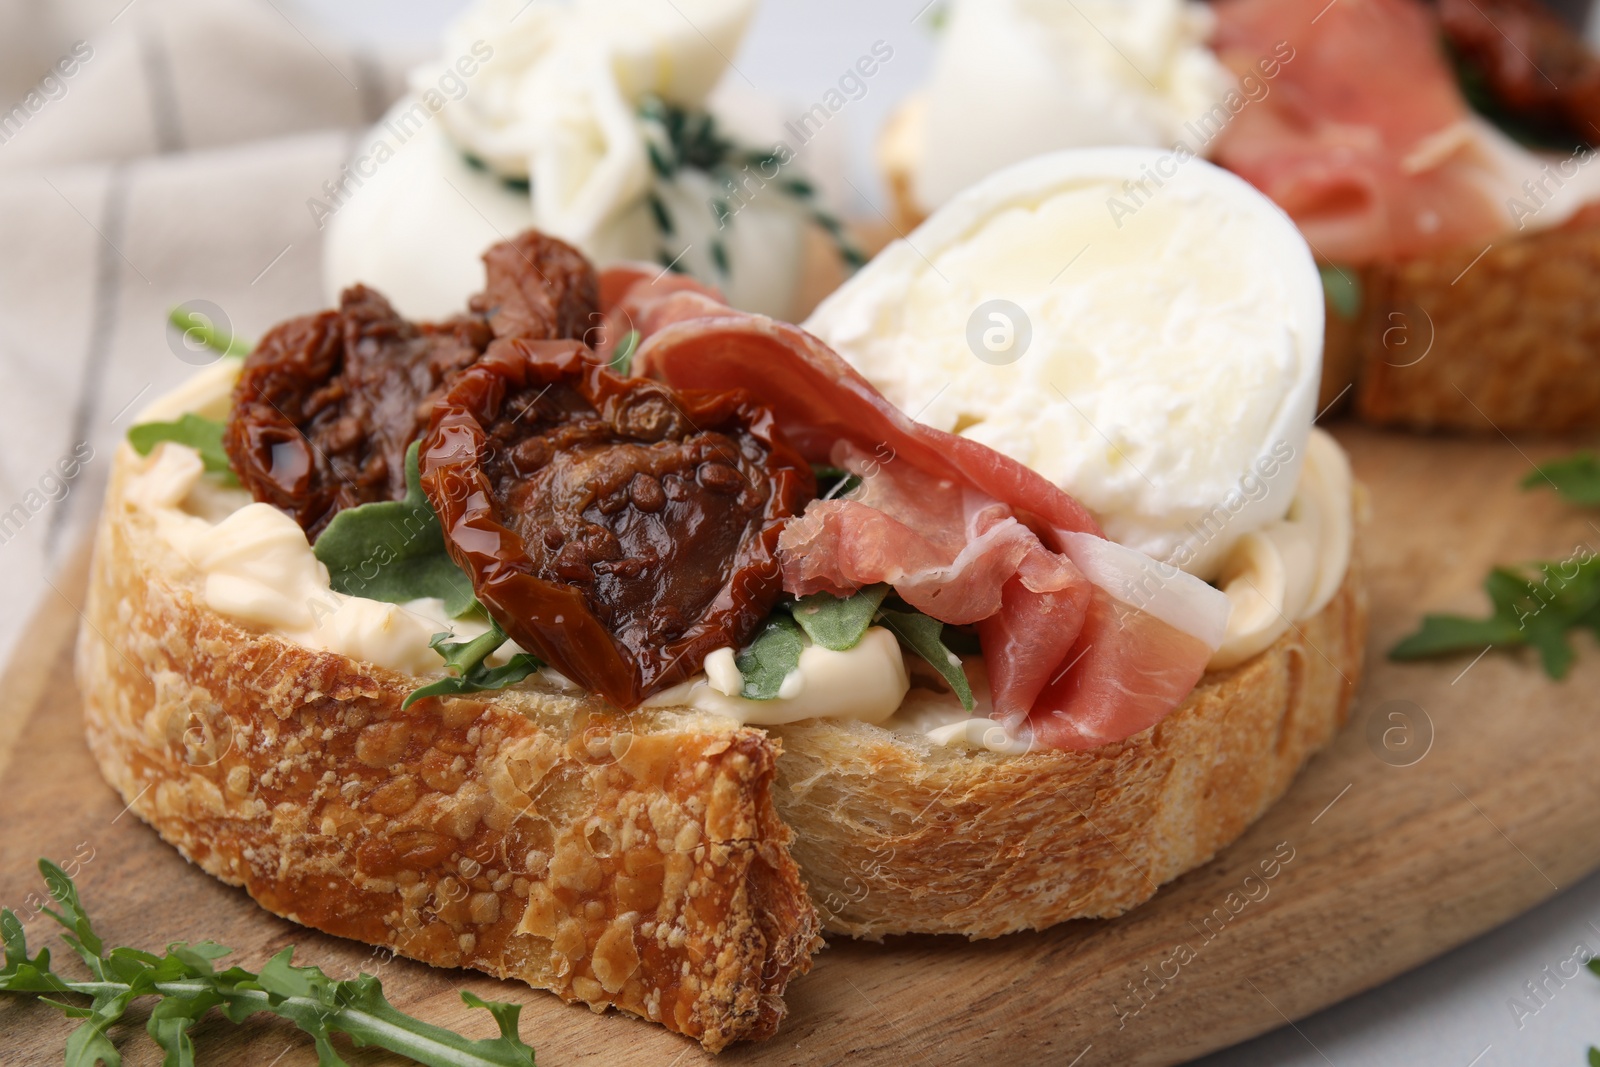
(159, 151)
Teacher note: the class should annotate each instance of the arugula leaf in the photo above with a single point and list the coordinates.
(834, 482)
(1535, 606)
(200, 328)
(1343, 290)
(505, 1016)
(82, 940)
(465, 662)
(1594, 1053)
(837, 623)
(922, 635)
(1576, 478)
(770, 658)
(202, 435)
(622, 359)
(189, 987)
(393, 550)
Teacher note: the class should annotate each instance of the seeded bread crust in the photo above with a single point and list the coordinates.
(648, 861)
(629, 861)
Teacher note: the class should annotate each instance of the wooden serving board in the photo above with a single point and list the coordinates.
(1410, 835)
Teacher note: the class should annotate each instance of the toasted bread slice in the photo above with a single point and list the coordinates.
(1483, 340)
(627, 860)
(897, 835)
(646, 860)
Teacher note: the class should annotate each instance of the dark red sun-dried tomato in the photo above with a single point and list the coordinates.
(1534, 66)
(620, 530)
(327, 404)
(539, 288)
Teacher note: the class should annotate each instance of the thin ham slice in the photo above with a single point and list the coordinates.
(1125, 666)
(1363, 137)
(963, 533)
(637, 296)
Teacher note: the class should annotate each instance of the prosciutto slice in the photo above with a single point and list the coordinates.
(637, 296)
(1363, 136)
(963, 533)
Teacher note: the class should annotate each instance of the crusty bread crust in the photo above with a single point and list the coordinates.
(1511, 336)
(645, 861)
(896, 835)
(620, 860)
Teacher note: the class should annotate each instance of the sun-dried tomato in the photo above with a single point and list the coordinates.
(539, 288)
(619, 529)
(327, 404)
(1535, 68)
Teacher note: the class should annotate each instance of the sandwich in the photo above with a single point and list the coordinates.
(599, 123)
(629, 662)
(1435, 156)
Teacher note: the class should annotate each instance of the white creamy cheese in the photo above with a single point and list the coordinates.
(258, 569)
(1173, 318)
(554, 102)
(937, 714)
(867, 682)
(1289, 570)
(1016, 78)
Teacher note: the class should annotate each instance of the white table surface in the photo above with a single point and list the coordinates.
(1457, 1010)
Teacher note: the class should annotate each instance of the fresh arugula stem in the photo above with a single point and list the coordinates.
(475, 651)
(201, 329)
(622, 358)
(468, 672)
(364, 1027)
(189, 987)
(374, 1030)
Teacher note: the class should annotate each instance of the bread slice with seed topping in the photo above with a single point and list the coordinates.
(677, 866)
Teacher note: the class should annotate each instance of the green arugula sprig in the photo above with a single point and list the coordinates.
(202, 435)
(393, 550)
(622, 358)
(838, 623)
(1534, 605)
(466, 662)
(924, 635)
(188, 986)
(1576, 478)
(770, 657)
(201, 329)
